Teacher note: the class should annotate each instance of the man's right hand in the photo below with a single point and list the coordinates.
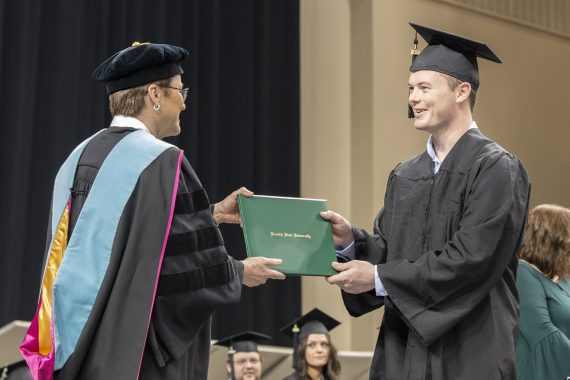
(341, 229)
(256, 270)
(354, 276)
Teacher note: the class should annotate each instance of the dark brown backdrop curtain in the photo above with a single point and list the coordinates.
(241, 126)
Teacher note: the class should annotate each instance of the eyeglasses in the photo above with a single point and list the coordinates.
(183, 91)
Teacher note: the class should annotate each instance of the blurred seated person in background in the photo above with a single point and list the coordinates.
(244, 360)
(15, 371)
(543, 282)
(314, 355)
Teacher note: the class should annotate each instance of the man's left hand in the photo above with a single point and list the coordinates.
(355, 276)
(227, 211)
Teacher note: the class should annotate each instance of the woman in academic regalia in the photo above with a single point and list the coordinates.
(314, 355)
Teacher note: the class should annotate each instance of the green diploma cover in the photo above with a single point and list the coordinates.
(290, 229)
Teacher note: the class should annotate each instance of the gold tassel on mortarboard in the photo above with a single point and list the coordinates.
(415, 52)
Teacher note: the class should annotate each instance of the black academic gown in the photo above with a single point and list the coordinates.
(446, 247)
(196, 277)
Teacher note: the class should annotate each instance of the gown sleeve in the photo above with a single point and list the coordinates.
(197, 274)
(371, 248)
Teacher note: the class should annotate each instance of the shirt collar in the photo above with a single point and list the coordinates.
(128, 122)
(431, 151)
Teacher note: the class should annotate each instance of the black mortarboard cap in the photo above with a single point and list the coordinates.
(313, 322)
(450, 54)
(243, 342)
(139, 64)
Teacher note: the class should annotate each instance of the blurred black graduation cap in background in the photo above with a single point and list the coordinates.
(449, 54)
(246, 341)
(313, 322)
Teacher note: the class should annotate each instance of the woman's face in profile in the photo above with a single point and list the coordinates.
(317, 351)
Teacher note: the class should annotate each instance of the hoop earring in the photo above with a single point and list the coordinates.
(156, 107)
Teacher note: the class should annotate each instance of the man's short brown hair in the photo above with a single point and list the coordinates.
(130, 102)
(454, 82)
(547, 241)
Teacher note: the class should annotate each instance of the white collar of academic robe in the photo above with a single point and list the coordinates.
(128, 122)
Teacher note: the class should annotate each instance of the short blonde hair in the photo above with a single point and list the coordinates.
(130, 102)
(547, 241)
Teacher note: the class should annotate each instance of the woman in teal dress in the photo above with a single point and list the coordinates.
(543, 282)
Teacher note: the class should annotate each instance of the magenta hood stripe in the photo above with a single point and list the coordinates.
(40, 366)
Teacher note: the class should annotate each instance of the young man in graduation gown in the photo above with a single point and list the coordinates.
(244, 361)
(442, 258)
(135, 263)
